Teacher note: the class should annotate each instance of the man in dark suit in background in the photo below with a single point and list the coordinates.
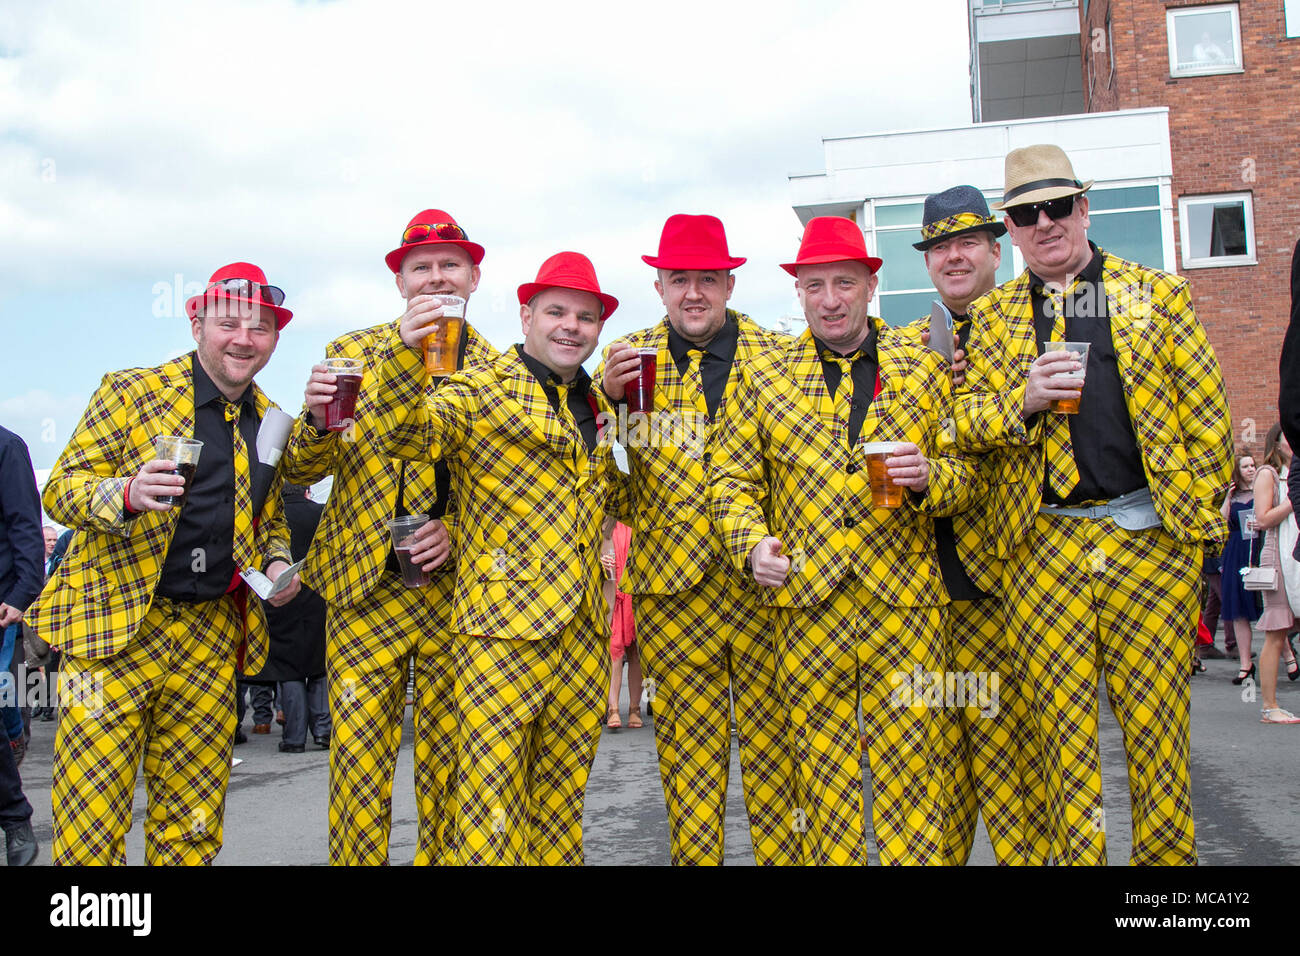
(20, 581)
(1288, 398)
(297, 656)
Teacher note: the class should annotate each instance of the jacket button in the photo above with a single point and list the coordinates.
(851, 468)
(848, 521)
(582, 546)
(708, 457)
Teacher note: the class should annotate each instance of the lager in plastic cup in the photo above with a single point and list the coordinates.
(442, 348)
(884, 493)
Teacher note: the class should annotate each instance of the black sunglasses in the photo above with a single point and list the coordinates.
(1024, 216)
(243, 288)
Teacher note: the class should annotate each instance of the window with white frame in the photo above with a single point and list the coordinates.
(1293, 18)
(1204, 40)
(1217, 230)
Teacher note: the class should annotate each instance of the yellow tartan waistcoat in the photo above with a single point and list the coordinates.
(670, 456)
(531, 497)
(1173, 389)
(351, 546)
(97, 598)
(783, 467)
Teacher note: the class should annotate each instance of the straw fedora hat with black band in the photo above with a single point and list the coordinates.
(1038, 173)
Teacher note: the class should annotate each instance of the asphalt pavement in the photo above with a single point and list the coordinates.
(1245, 791)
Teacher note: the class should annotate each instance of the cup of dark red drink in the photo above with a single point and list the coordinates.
(641, 390)
(184, 453)
(403, 531)
(342, 409)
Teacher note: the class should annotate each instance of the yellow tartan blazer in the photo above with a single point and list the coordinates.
(972, 527)
(97, 598)
(350, 549)
(531, 499)
(783, 467)
(1173, 388)
(670, 459)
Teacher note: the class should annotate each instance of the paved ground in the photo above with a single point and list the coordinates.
(1245, 783)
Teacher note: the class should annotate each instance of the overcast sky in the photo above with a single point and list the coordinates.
(142, 145)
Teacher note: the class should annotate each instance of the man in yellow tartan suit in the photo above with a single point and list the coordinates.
(375, 626)
(994, 766)
(703, 630)
(857, 599)
(533, 485)
(147, 607)
(1101, 513)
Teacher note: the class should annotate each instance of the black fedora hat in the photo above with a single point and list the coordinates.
(953, 212)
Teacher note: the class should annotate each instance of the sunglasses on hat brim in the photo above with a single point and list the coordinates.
(1027, 215)
(442, 230)
(243, 289)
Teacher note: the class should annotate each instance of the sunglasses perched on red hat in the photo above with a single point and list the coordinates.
(443, 230)
(1027, 215)
(243, 289)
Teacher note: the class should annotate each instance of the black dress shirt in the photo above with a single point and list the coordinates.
(579, 396)
(207, 519)
(1105, 447)
(864, 369)
(958, 583)
(715, 365)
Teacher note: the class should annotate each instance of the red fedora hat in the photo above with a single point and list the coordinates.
(430, 228)
(568, 270)
(241, 282)
(693, 242)
(832, 239)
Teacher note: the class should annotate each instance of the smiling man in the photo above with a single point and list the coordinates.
(705, 636)
(376, 627)
(1101, 513)
(533, 485)
(993, 756)
(147, 607)
(853, 589)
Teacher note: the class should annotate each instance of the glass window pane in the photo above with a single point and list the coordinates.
(904, 267)
(1101, 199)
(1130, 235)
(904, 307)
(1204, 40)
(1007, 269)
(906, 214)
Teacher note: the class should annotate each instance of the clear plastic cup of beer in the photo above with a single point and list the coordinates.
(442, 348)
(884, 493)
(1069, 406)
(403, 531)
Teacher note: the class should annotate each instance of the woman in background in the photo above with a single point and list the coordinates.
(1272, 507)
(1240, 608)
(622, 638)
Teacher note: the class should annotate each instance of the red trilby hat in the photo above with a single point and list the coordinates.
(245, 283)
(832, 239)
(568, 270)
(432, 227)
(693, 242)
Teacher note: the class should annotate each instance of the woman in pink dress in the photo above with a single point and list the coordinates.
(1271, 509)
(622, 638)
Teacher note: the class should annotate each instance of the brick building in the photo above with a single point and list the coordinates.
(1229, 74)
(1182, 113)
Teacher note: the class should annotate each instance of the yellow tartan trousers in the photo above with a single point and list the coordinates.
(169, 697)
(700, 648)
(994, 758)
(828, 653)
(530, 719)
(369, 648)
(1087, 598)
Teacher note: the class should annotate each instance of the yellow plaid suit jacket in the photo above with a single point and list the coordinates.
(531, 498)
(94, 603)
(782, 466)
(670, 458)
(351, 546)
(1173, 388)
(972, 528)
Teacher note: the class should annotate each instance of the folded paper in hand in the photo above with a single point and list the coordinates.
(263, 587)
